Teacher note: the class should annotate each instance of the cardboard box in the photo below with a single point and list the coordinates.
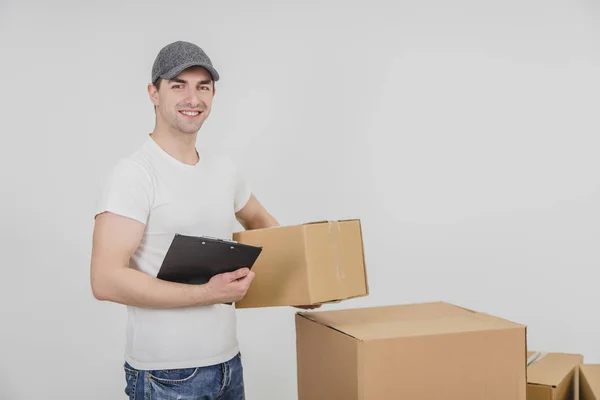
(589, 375)
(306, 264)
(424, 351)
(553, 376)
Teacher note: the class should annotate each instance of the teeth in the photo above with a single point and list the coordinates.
(190, 113)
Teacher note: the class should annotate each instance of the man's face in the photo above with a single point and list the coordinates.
(184, 102)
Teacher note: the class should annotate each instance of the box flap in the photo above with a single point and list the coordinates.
(408, 320)
(550, 369)
(590, 381)
(308, 317)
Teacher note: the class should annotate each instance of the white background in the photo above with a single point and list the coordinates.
(464, 134)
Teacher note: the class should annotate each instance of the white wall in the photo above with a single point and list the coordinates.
(464, 134)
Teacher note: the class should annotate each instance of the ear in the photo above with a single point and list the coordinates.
(153, 93)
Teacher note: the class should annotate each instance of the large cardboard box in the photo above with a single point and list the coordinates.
(589, 382)
(306, 264)
(553, 376)
(424, 351)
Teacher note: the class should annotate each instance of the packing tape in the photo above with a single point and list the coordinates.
(538, 355)
(334, 232)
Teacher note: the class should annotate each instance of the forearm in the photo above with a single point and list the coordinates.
(260, 221)
(131, 287)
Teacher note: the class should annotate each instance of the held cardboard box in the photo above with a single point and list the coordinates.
(306, 264)
(553, 376)
(589, 375)
(424, 351)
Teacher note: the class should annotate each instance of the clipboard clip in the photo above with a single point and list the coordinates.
(212, 238)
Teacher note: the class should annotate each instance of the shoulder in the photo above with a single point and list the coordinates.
(133, 170)
(131, 167)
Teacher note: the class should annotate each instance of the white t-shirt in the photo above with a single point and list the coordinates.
(172, 197)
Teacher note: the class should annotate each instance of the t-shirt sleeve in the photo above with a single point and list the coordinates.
(127, 191)
(242, 190)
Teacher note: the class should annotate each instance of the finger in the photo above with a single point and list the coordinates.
(309, 306)
(247, 279)
(237, 274)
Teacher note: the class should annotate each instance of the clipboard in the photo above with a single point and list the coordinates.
(196, 259)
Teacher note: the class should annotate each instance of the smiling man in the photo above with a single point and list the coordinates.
(180, 339)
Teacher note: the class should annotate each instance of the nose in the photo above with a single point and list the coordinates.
(192, 97)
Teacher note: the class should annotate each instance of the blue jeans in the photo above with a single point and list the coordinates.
(217, 382)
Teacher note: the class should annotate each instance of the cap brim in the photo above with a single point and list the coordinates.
(178, 69)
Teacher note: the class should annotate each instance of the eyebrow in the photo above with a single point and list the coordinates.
(178, 80)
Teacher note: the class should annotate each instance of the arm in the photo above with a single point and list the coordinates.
(254, 216)
(115, 239)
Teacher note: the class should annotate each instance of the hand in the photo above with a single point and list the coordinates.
(230, 287)
(309, 307)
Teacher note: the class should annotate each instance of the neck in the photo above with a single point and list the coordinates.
(181, 146)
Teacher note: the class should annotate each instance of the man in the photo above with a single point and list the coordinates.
(181, 339)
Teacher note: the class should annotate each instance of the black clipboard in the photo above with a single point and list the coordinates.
(196, 259)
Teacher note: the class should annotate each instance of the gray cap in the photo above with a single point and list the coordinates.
(177, 56)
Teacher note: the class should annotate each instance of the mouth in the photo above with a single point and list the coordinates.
(190, 114)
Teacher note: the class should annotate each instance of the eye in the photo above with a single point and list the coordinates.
(176, 86)
(204, 87)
